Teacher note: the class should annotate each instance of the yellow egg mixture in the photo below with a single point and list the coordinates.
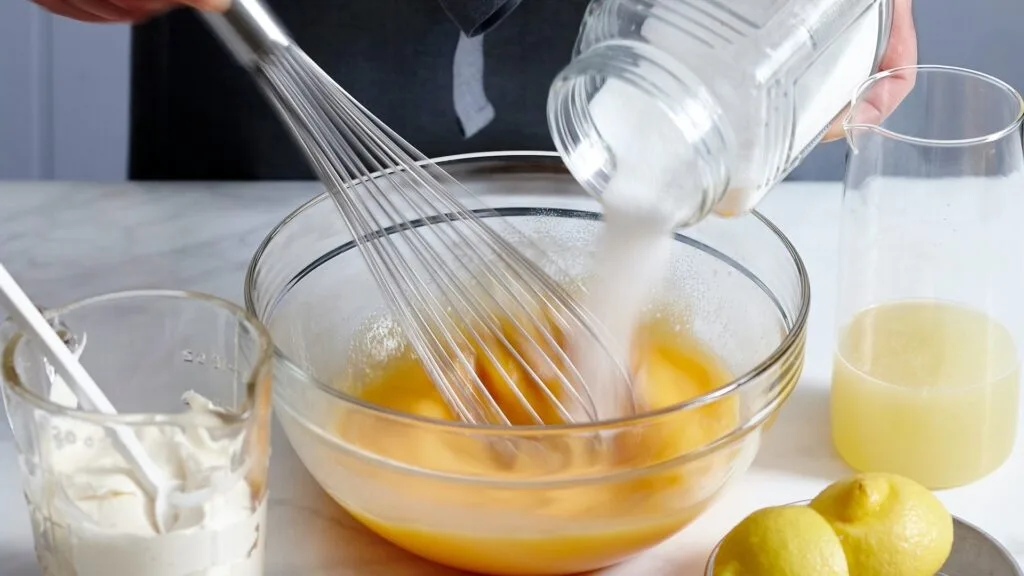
(542, 524)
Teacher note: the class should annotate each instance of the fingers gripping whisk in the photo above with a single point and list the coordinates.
(492, 328)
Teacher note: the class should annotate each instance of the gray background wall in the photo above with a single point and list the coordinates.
(63, 96)
(64, 85)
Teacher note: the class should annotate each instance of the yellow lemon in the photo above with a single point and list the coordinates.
(888, 525)
(781, 541)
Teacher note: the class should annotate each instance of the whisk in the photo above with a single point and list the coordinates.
(488, 323)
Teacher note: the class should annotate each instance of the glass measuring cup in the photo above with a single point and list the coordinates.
(926, 372)
(151, 352)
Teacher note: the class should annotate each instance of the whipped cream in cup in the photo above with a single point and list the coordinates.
(190, 376)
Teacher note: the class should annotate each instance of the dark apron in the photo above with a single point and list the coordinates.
(196, 115)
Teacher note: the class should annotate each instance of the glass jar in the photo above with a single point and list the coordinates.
(701, 105)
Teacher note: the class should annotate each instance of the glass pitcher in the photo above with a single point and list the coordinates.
(926, 372)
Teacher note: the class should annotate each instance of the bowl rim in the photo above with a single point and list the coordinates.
(778, 354)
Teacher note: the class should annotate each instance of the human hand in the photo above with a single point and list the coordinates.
(113, 11)
(902, 51)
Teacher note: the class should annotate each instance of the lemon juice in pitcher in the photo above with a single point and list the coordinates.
(925, 381)
(926, 389)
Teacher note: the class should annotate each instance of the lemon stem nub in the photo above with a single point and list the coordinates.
(864, 498)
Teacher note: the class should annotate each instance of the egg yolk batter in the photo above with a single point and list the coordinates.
(551, 502)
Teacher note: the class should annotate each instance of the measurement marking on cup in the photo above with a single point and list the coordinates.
(214, 361)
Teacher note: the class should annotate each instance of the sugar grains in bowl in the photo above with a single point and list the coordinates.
(736, 286)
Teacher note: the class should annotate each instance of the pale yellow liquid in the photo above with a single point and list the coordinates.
(925, 389)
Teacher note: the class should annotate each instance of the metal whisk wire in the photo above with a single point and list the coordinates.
(415, 235)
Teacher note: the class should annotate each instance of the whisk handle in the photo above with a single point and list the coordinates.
(249, 29)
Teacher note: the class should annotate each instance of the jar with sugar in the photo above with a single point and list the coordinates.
(693, 107)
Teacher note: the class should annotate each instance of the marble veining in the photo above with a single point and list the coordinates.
(67, 241)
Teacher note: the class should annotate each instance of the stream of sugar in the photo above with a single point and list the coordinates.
(634, 250)
(632, 255)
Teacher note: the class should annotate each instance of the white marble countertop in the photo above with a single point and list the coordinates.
(65, 241)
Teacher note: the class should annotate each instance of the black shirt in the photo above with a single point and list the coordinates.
(197, 115)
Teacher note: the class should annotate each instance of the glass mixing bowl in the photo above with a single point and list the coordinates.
(737, 285)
